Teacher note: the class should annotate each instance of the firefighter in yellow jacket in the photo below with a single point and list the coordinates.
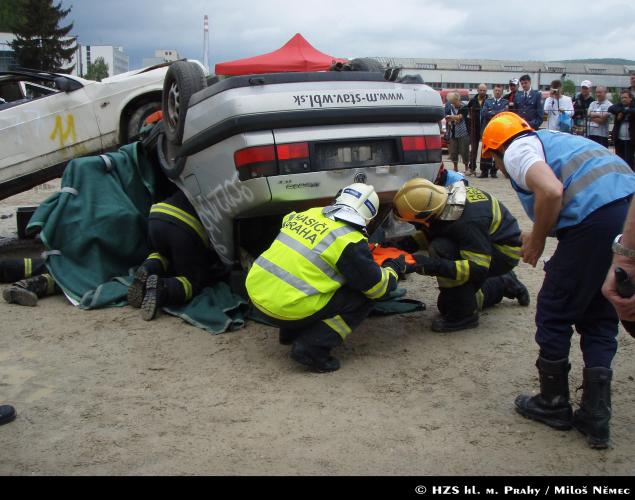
(474, 243)
(318, 280)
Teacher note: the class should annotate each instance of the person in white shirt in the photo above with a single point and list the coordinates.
(598, 118)
(578, 191)
(556, 104)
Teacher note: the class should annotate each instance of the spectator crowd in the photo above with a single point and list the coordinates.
(590, 113)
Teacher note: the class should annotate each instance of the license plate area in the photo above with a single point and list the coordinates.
(353, 154)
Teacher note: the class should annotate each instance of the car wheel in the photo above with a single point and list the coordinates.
(182, 80)
(366, 64)
(137, 119)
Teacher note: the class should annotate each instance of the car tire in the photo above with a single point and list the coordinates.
(182, 80)
(366, 64)
(137, 119)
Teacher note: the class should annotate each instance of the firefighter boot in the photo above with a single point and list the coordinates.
(449, 324)
(286, 336)
(552, 405)
(155, 296)
(26, 292)
(154, 264)
(514, 289)
(313, 349)
(592, 418)
(137, 289)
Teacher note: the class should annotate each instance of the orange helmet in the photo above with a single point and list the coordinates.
(501, 129)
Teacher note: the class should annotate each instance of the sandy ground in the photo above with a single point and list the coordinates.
(103, 392)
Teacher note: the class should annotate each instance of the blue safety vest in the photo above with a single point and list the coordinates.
(591, 175)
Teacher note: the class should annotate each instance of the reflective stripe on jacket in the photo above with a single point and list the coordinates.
(297, 275)
(178, 210)
(591, 175)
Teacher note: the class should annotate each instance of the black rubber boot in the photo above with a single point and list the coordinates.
(316, 358)
(447, 324)
(514, 289)
(552, 405)
(483, 174)
(7, 414)
(26, 292)
(154, 298)
(137, 289)
(286, 336)
(493, 174)
(593, 416)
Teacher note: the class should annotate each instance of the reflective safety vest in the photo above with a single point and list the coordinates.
(591, 175)
(297, 275)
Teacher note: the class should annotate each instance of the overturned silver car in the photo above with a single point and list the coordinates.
(248, 149)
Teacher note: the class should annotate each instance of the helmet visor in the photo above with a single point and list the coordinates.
(422, 217)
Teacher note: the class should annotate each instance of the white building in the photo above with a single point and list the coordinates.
(116, 59)
(160, 56)
(468, 73)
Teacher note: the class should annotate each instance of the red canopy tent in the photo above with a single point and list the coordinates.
(295, 55)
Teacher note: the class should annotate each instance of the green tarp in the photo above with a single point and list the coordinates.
(95, 234)
(96, 227)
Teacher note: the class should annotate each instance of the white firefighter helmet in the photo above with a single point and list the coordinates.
(357, 203)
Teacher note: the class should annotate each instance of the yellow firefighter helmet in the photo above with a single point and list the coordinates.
(419, 200)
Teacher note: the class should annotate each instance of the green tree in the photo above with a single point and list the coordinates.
(9, 14)
(98, 70)
(568, 87)
(41, 43)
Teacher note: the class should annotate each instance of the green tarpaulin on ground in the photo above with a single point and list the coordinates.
(95, 234)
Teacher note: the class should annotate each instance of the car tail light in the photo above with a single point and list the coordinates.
(421, 148)
(293, 158)
(258, 161)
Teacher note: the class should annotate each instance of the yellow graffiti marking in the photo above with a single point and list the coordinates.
(64, 134)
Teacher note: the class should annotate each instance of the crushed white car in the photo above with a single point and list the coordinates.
(47, 119)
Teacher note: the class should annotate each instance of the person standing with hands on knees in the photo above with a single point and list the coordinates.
(578, 191)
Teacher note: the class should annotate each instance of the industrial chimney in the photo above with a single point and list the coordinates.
(206, 44)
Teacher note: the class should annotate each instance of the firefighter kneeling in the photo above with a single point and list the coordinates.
(474, 245)
(318, 280)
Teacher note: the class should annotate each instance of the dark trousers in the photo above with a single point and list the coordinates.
(571, 291)
(462, 301)
(12, 270)
(626, 151)
(600, 140)
(186, 255)
(347, 305)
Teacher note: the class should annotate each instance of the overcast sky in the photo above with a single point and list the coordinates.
(526, 30)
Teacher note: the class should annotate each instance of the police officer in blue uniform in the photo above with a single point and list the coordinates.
(528, 103)
(492, 106)
(578, 191)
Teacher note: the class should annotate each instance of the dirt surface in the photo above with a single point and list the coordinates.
(103, 392)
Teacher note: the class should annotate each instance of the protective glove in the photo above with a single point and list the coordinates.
(422, 262)
(398, 265)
